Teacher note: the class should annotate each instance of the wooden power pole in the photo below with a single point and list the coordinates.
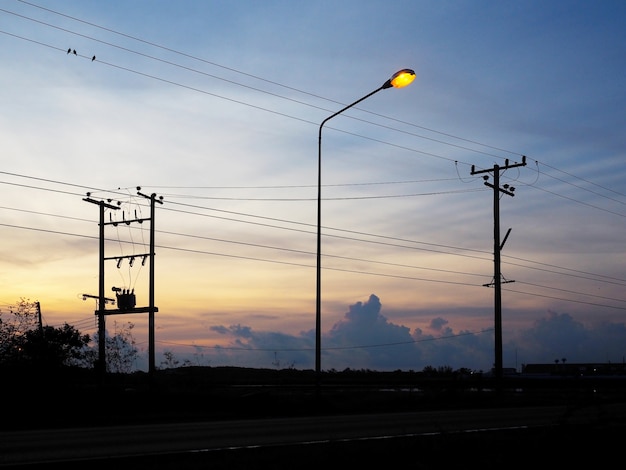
(497, 248)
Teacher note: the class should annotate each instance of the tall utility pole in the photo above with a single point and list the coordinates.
(125, 300)
(151, 307)
(497, 247)
(101, 364)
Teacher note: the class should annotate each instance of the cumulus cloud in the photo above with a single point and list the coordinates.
(560, 336)
(438, 323)
(365, 339)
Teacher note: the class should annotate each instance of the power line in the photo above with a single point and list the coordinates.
(291, 222)
(296, 186)
(572, 273)
(280, 96)
(231, 69)
(356, 135)
(261, 79)
(361, 272)
(586, 274)
(345, 198)
(577, 186)
(580, 274)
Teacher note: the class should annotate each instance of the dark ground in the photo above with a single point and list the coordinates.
(80, 398)
(562, 448)
(188, 394)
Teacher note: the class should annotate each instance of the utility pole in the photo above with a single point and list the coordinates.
(125, 298)
(38, 306)
(101, 364)
(497, 248)
(151, 307)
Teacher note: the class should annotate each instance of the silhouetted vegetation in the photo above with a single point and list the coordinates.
(25, 342)
(28, 344)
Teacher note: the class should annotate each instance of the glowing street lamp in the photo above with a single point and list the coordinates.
(399, 79)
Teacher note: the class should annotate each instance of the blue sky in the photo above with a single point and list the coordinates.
(216, 106)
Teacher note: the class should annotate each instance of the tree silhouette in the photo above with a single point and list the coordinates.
(120, 349)
(14, 323)
(51, 347)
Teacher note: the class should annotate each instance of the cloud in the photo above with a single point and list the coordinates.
(364, 338)
(560, 335)
(438, 323)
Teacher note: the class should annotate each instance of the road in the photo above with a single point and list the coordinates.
(137, 441)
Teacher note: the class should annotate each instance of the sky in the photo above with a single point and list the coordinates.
(216, 107)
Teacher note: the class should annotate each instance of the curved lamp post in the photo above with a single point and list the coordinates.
(399, 79)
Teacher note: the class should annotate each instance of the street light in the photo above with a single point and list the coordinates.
(399, 79)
